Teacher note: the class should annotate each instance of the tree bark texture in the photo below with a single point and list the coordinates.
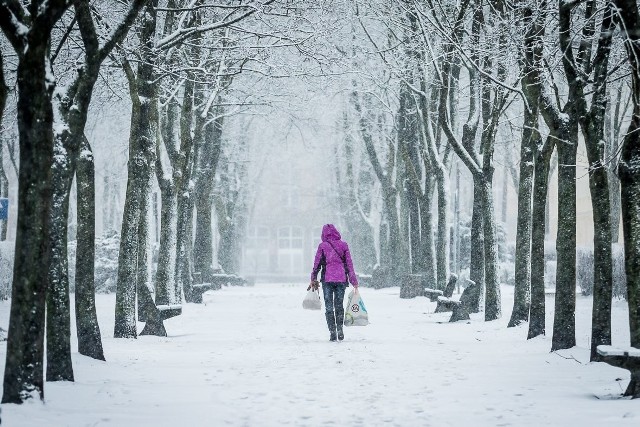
(185, 201)
(144, 127)
(476, 267)
(4, 182)
(593, 126)
(564, 322)
(59, 365)
(208, 157)
(538, 233)
(23, 374)
(522, 290)
(88, 330)
(531, 61)
(629, 169)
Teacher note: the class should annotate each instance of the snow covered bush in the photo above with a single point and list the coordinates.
(106, 272)
(7, 249)
(619, 272)
(584, 269)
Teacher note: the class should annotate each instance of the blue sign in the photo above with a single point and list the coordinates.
(4, 208)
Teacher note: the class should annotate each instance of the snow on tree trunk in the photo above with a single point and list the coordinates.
(165, 274)
(208, 156)
(142, 153)
(23, 374)
(59, 366)
(530, 140)
(564, 322)
(629, 171)
(492, 306)
(538, 233)
(442, 249)
(185, 191)
(428, 244)
(477, 261)
(593, 124)
(88, 330)
(4, 182)
(522, 291)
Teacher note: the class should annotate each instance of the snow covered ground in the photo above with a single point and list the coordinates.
(253, 357)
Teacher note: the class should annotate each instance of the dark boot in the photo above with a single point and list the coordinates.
(331, 323)
(340, 323)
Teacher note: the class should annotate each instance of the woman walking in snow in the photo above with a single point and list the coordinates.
(334, 259)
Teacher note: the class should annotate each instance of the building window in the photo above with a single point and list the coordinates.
(290, 252)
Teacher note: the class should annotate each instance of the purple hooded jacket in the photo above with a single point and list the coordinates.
(332, 259)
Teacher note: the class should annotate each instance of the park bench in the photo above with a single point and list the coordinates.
(625, 358)
(210, 282)
(459, 308)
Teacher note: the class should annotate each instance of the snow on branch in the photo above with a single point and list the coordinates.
(183, 33)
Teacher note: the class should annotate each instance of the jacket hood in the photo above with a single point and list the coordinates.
(330, 232)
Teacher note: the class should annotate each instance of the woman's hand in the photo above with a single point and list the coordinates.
(314, 285)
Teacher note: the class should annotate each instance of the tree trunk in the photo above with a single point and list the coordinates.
(522, 291)
(208, 157)
(59, 366)
(602, 258)
(629, 169)
(142, 143)
(538, 233)
(4, 182)
(185, 201)
(88, 330)
(564, 322)
(426, 233)
(442, 252)
(415, 243)
(613, 126)
(477, 260)
(493, 309)
(165, 274)
(593, 125)
(147, 310)
(23, 374)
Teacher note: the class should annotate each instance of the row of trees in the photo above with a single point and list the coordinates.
(184, 63)
(425, 85)
(437, 79)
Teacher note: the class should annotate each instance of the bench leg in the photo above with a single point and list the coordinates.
(460, 312)
(154, 325)
(633, 389)
(440, 308)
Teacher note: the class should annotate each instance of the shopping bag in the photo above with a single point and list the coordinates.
(312, 300)
(356, 313)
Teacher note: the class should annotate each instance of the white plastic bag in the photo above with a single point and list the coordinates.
(356, 313)
(312, 301)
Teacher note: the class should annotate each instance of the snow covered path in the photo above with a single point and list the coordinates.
(253, 357)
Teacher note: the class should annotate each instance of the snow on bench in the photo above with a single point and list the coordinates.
(626, 358)
(167, 311)
(432, 294)
(459, 310)
(609, 350)
(166, 307)
(449, 301)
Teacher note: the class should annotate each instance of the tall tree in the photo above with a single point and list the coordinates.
(629, 168)
(73, 107)
(592, 123)
(4, 182)
(144, 128)
(29, 32)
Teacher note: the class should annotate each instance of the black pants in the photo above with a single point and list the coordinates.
(333, 304)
